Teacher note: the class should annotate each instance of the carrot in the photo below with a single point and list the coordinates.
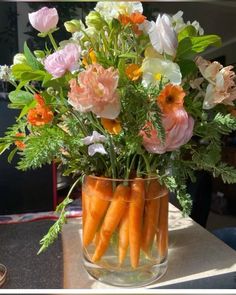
(136, 207)
(88, 183)
(123, 237)
(162, 237)
(99, 196)
(151, 214)
(113, 216)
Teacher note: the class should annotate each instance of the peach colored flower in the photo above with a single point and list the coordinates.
(178, 127)
(221, 87)
(96, 91)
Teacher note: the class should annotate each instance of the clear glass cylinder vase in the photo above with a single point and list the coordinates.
(125, 230)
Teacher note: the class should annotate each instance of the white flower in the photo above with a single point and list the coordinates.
(179, 24)
(95, 137)
(110, 10)
(156, 69)
(96, 148)
(162, 35)
(5, 73)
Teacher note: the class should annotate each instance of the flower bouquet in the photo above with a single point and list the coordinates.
(130, 108)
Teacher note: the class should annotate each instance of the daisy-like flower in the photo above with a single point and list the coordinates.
(171, 98)
(156, 69)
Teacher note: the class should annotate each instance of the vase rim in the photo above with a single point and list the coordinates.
(122, 179)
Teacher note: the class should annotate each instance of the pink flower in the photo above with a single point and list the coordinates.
(44, 20)
(96, 92)
(63, 60)
(178, 127)
(221, 87)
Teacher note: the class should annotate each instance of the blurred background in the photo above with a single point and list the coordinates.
(214, 203)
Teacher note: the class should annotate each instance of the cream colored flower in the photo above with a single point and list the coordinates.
(110, 10)
(157, 69)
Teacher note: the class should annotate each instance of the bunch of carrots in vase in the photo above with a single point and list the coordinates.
(125, 99)
(135, 211)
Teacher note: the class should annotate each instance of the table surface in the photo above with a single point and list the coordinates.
(196, 260)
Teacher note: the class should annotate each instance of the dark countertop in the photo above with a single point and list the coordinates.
(19, 244)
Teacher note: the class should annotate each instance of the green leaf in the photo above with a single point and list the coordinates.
(128, 55)
(4, 147)
(31, 59)
(19, 69)
(26, 108)
(33, 75)
(190, 46)
(187, 67)
(188, 31)
(20, 98)
(11, 155)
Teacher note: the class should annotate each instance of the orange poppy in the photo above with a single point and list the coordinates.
(112, 126)
(20, 144)
(41, 114)
(134, 19)
(133, 72)
(171, 98)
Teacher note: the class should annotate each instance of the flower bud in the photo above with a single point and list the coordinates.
(19, 58)
(87, 44)
(73, 26)
(95, 20)
(39, 54)
(44, 19)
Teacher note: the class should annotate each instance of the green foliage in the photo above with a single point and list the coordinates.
(42, 148)
(31, 59)
(190, 46)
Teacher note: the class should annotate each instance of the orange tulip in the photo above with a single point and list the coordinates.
(133, 72)
(112, 126)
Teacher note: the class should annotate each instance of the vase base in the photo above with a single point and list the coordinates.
(120, 278)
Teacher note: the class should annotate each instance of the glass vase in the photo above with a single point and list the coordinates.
(125, 230)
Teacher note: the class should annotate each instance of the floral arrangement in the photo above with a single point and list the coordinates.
(123, 96)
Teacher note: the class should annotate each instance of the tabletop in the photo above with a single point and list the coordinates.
(196, 260)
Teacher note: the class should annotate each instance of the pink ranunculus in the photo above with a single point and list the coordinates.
(63, 60)
(44, 19)
(178, 127)
(96, 91)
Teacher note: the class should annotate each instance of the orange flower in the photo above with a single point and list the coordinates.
(90, 58)
(171, 98)
(137, 18)
(133, 72)
(112, 126)
(20, 144)
(41, 114)
(134, 19)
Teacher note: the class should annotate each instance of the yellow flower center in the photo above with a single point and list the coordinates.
(158, 76)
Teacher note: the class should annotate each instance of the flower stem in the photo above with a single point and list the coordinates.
(112, 157)
(52, 41)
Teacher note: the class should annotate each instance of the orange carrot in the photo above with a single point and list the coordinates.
(151, 214)
(123, 236)
(99, 196)
(162, 236)
(136, 207)
(113, 216)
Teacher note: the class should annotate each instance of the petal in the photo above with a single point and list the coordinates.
(96, 148)
(95, 137)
